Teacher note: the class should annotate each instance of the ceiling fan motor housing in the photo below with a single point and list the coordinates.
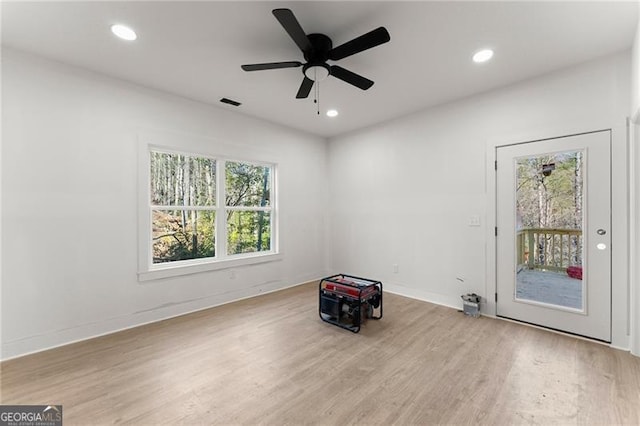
(320, 47)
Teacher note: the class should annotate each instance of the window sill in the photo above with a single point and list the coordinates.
(179, 270)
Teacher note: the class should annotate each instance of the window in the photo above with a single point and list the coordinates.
(247, 207)
(183, 207)
(205, 210)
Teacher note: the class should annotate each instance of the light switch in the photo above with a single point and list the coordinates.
(474, 220)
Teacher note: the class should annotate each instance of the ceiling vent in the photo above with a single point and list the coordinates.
(230, 102)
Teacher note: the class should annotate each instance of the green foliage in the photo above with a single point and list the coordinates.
(183, 235)
(553, 201)
(247, 185)
(181, 185)
(248, 231)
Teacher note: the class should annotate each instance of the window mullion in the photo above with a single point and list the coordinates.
(187, 208)
(221, 214)
(249, 208)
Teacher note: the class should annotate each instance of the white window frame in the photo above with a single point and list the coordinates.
(147, 270)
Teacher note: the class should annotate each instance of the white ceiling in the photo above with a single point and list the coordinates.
(195, 49)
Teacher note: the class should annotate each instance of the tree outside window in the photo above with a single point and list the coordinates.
(187, 219)
(248, 205)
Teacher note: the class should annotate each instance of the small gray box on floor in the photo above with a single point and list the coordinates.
(471, 308)
(471, 304)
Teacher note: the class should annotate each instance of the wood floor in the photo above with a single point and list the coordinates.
(270, 360)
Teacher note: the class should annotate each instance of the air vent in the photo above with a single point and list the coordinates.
(230, 102)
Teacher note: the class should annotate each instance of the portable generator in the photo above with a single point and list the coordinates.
(348, 301)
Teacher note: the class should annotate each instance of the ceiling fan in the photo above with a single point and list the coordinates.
(317, 50)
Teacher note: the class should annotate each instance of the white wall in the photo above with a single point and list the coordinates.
(69, 204)
(402, 192)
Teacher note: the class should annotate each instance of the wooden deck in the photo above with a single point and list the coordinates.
(556, 288)
(270, 360)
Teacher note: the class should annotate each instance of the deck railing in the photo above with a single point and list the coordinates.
(548, 248)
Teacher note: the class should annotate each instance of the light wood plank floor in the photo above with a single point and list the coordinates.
(270, 360)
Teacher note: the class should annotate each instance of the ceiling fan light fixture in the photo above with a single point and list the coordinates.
(317, 72)
(482, 56)
(332, 113)
(124, 32)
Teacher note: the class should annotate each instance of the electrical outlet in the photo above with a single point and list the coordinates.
(474, 220)
(396, 269)
(232, 274)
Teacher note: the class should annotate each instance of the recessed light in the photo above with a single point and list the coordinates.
(124, 32)
(482, 55)
(332, 113)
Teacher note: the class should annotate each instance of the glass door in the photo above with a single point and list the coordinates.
(553, 216)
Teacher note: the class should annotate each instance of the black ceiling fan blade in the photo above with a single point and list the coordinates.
(271, 66)
(366, 41)
(351, 77)
(291, 25)
(305, 88)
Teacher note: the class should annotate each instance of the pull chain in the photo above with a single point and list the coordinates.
(318, 96)
(316, 90)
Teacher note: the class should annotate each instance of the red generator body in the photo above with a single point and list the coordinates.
(575, 272)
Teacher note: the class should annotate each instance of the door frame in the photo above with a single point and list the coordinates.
(620, 315)
(633, 151)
